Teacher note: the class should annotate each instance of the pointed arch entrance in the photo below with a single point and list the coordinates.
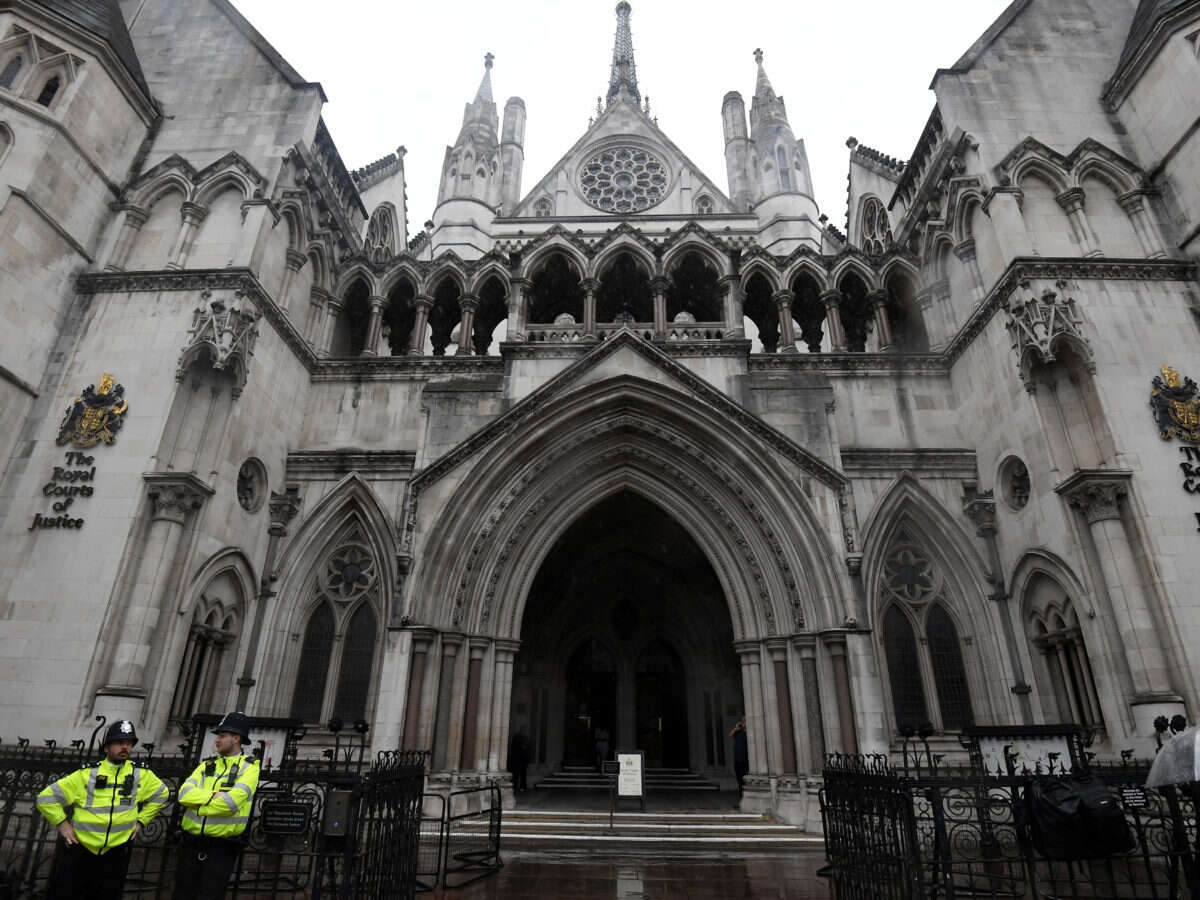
(627, 643)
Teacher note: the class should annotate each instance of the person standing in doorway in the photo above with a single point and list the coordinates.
(518, 761)
(98, 811)
(217, 799)
(741, 752)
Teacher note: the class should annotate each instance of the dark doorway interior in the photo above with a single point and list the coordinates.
(591, 705)
(661, 701)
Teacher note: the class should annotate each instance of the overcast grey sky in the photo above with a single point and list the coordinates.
(399, 73)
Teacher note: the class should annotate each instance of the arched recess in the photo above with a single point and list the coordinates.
(445, 314)
(909, 334)
(1047, 224)
(694, 289)
(1108, 219)
(350, 329)
(489, 316)
(808, 311)
(152, 246)
(202, 648)
(400, 315)
(219, 238)
(481, 543)
(855, 311)
(921, 569)
(758, 305)
(624, 288)
(341, 560)
(556, 289)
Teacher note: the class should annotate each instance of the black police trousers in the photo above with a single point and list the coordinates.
(77, 872)
(204, 866)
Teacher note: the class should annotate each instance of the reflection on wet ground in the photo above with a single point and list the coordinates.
(632, 878)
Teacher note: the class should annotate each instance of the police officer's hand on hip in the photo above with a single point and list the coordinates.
(217, 799)
(98, 811)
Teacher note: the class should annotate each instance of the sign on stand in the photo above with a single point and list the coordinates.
(628, 779)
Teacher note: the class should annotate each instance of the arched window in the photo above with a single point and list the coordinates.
(928, 680)
(337, 657)
(874, 229)
(380, 244)
(11, 69)
(204, 672)
(704, 206)
(544, 207)
(785, 180)
(49, 90)
(1065, 669)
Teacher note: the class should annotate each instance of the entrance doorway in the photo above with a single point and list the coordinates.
(626, 633)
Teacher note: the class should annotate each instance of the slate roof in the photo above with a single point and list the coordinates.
(1149, 14)
(103, 18)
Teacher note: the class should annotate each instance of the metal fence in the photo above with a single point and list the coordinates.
(460, 838)
(344, 826)
(901, 835)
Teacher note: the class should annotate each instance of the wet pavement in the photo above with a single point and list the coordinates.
(632, 878)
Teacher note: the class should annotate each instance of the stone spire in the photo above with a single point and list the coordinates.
(485, 87)
(624, 71)
(766, 103)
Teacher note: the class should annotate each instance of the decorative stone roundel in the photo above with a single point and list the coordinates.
(1014, 483)
(349, 572)
(251, 485)
(623, 180)
(909, 575)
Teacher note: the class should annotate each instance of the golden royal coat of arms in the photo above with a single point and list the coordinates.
(95, 416)
(1176, 406)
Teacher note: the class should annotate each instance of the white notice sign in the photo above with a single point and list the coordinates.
(629, 777)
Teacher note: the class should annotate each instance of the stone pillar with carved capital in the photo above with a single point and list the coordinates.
(777, 648)
(1134, 204)
(590, 287)
(967, 255)
(658, 287)
(294, 262)
(518, 308)
(467, 761)
(468, 304)
(877, 301)
(446, 728)
(750, 656)
(836, 645)
(806, 648)
(317, 298)
(421, 639)
(131, 226)
(423, 303)
(502, 682)
(833, 320)
(735, 328)
(1072, 203)
(787, 330)
(171, 501)
(1003, 206)
(1098, 495)
(377, 305)
(193, 214)
(333, 309)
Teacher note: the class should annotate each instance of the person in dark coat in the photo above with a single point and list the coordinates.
(518, 761)
(741, 752)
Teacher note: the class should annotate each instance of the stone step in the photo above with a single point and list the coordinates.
(586, 778)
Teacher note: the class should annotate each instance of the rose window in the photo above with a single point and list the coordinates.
(624, 180)
(349, 572)
(909, 575)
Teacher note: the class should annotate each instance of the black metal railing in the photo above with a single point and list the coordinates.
(895, 834)
(342, 826)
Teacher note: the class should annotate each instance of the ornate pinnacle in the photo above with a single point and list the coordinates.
(624, 71)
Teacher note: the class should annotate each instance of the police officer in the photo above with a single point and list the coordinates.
(217, 798)
(98, 810)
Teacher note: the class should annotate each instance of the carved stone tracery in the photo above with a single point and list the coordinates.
(224, 332)
(1041, 324)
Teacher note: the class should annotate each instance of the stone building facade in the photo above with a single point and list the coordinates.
(623, 452)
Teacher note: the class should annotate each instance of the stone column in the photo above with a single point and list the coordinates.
(590, 287)
(468, 303)
(833, 320)
(497, 754)
(735, 328)
(374, 325)
(659, 287)
(750, 656)
(1134, 204)
(193, 215)
(317, 299)
(1003, 207)
(965, 251)
(807, 650)
(421, 639)
(877, 300)
(131, 226)
(1071, 201)
(836, 645)
(518, 308)
(467, 753)
(777, 647)
(333, 308)
(172, 501)
(1098, 494)
(787, 330)
(416, 344)
(295, 262)
(445, 753)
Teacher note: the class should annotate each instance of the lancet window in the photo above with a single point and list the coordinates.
(206, 657)
(337, 654)
(928, 677)
(1058, 642)
(11, 69)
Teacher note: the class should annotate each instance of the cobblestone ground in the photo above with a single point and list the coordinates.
(533, 876)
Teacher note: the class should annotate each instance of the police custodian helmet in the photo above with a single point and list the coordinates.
(121, 730)
(235, 723)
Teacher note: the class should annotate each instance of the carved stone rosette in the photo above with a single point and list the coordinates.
(224, 332)
(1041, 323)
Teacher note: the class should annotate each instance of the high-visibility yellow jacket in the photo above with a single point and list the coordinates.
(218, 795)
(104, 802)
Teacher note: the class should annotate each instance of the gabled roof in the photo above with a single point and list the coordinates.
(103, 18)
